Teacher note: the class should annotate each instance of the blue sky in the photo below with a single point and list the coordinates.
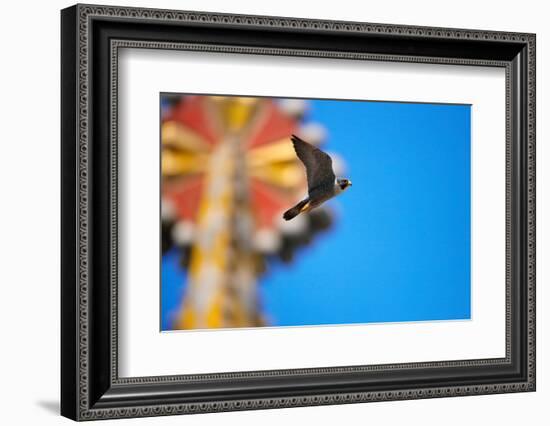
(399, 249)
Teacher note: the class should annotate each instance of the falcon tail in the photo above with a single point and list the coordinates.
(295, 211)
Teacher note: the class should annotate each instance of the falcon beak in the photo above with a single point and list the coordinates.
(349, 183)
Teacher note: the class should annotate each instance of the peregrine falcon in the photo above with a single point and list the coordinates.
(321, 182)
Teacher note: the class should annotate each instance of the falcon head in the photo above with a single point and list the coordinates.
(343, 183)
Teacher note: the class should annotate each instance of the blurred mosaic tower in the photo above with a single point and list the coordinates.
(228, 172)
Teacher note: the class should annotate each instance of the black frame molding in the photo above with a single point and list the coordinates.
(91, 36)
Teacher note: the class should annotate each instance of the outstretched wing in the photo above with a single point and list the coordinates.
(318, 164)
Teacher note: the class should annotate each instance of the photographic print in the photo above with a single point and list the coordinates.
(282, 212)
(346, 210)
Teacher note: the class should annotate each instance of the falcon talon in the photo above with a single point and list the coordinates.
(321, 182)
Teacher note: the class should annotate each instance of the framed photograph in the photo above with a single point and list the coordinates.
(263, 212)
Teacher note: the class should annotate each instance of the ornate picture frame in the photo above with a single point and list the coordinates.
(91, 38)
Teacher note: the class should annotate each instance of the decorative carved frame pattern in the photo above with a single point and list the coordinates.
(85, 13)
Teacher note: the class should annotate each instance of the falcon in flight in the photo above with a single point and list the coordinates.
(322, 184)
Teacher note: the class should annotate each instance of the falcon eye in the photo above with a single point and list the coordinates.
(344, 183)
